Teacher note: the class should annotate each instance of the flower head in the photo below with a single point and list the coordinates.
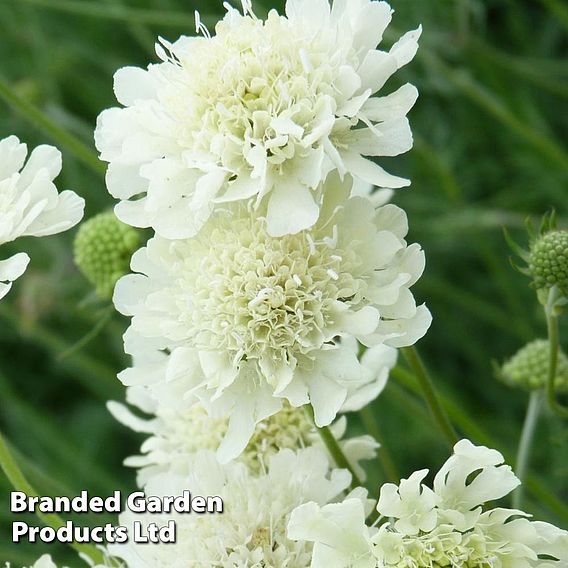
(251, 532)
(176, 436)
(528, 368)
(29, 202)
(250, 319)
(260, 111)
(103, 247)
(448, 525)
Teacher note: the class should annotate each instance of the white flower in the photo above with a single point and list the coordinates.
(341, 538)
(411, 503)
(29, 202)
(444, 527)
(248, 319)
(177, 435)
(251, 531)
(261, 111)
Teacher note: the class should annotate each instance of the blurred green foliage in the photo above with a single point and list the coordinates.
(491, 130)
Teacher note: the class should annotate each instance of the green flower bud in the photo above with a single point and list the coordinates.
(528, 368)
(548, 260)
(103, 247)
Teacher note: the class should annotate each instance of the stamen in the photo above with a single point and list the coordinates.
(200, 26)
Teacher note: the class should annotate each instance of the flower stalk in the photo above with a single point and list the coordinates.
(437, 410)
(525, 443)
(335, 450)
(551, 313)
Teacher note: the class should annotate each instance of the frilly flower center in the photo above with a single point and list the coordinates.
(253, 85)
(242, 291)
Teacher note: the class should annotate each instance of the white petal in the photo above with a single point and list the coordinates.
(132, 84)
(395, 105)
(370, 172)
(43, 157)
(12, 156)
(390, 138)
(11, 269)
(66, 214)
(291, 209)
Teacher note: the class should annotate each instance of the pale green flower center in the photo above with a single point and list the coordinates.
(242, 291)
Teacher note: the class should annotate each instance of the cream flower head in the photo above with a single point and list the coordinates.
(448, 525)
(177, 435)
(261, 111)
(29, 202)
(251, 532)
(249, 319)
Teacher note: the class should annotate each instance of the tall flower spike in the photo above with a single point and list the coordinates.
(261, 111)
(249, 320)
(29, 202)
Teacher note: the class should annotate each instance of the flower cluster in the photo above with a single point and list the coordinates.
(275, 280)
(29, 202)
(447, 525)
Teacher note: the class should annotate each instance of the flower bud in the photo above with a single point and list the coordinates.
(528, 368)
(103, 247)
(548, 260)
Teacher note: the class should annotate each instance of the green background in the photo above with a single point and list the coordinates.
(490, 130)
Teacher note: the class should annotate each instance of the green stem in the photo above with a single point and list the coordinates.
(335, 450)
(554, 346)
(20, 483)
(525, 443)
(61, 136)
(437, 410)
(95, 376)
(88, 337)
(385, 458)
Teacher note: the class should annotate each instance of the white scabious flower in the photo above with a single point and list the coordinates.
(448, 525)
(251, 531)
(176, 436)
(249, 320)
(29, 202)
(261, 111)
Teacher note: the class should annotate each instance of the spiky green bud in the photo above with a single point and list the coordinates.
(103, 247)
(548, 260)
(528, 368)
